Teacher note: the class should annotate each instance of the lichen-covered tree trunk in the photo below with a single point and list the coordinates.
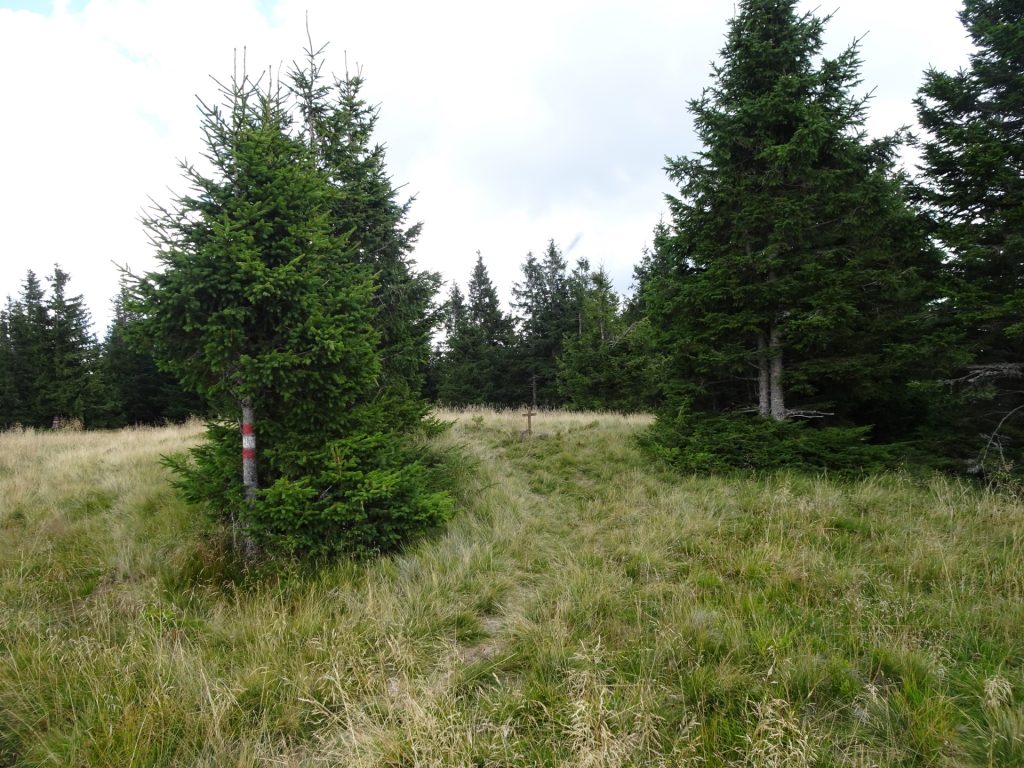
(777, 396)
(764, 375)
(771, 398)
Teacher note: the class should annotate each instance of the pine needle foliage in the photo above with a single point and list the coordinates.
(261, 301)
(794, 280)
(338, 124)
(972, 191)
(48, 356)
(477, 364)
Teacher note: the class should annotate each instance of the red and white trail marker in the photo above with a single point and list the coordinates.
(249, 477)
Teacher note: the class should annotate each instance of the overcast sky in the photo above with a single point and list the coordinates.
(511, 123)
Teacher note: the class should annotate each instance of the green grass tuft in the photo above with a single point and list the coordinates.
(583, 608)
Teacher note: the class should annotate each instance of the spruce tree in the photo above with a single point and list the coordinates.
(29, 371)
(608, 360)
(795, 280)
(267, 312)
(8, 389)
(48, 355)
(339, 125)
(587, 376)
(972, 189)
(453, 312)
(544, 301)
(477, 365)
(133, 388)
(68, 393)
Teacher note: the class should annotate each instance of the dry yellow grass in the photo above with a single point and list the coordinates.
(39, 470)
(513, 420)
(583, 608)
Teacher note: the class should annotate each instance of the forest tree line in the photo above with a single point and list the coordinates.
(55, 372)
(804, 290)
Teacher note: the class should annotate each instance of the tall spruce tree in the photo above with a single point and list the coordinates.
(608, 361)
(453, 313)
(266, 310)
(795, 279)
(339, 125)
(133, 388)
(588, 378)
(49, 357)
(544, 301)
(453, 318)
(27, 331)
(972, 188)
(477, 364)
(68, 392)
(8, 388)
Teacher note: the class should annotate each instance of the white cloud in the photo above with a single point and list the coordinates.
(512, 123)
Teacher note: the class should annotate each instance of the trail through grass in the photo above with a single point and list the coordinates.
(584, 608)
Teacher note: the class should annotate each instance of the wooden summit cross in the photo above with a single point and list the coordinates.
(531, 410)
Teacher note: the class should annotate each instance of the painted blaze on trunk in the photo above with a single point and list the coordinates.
(249, 478)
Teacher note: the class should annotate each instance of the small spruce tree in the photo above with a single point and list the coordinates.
(264, 309)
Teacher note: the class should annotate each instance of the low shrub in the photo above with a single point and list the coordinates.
(696, 442)
(365, 494)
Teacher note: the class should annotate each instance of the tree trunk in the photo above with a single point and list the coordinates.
(764, 406)
(777, 396)
(249, 477)
(243, 542)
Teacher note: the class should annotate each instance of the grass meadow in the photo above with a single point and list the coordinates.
(583, 608)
